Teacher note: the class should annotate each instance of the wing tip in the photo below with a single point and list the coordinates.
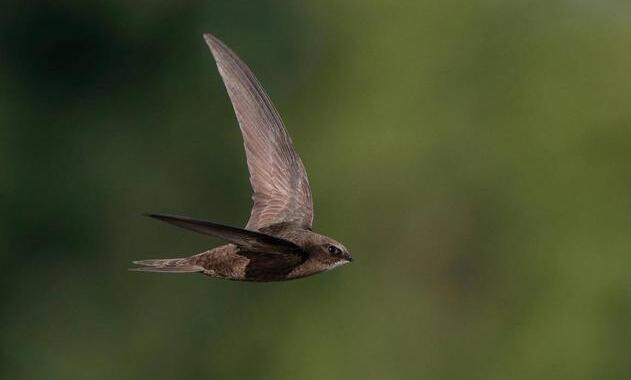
(214, 43)
(153, 215)
(209, 37)
(166, 217)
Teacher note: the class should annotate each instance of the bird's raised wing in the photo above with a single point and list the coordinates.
(278, 178)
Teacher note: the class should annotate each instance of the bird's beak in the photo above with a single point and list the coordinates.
(348, 257)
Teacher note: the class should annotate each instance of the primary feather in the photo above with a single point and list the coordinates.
(277, 175)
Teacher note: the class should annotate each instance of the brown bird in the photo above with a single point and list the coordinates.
(277, 243)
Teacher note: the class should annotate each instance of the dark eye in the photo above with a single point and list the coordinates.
(333, 249)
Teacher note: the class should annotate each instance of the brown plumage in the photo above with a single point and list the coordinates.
(277, 243)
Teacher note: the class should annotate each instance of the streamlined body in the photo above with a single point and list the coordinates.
(278, 242)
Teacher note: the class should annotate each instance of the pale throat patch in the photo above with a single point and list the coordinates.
(337, 264)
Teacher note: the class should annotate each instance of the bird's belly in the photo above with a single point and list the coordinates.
(228, 262)
(231, 270)
(268, 266)
(222, 262)
(304, 270)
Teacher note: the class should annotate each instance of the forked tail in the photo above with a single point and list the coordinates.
(167, 265)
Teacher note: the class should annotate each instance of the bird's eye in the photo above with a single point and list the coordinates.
(333, 249)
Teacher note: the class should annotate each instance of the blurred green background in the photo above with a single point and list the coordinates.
(473, 155)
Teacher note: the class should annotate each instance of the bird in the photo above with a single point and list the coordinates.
(278, 242)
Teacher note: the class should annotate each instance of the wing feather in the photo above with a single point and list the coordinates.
(281, 191)
(249, 240)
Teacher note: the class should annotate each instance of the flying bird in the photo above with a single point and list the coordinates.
(278, 242)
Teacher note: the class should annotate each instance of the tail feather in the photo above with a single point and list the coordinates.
(167, 265)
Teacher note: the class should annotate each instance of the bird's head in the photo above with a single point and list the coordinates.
(329, 252)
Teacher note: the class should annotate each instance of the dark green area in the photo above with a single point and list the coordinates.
(473, 155)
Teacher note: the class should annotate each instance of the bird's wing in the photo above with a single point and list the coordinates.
(248, 240)
(278, 177)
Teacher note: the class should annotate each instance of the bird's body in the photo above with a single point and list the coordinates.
(277, 243)
(233, 262)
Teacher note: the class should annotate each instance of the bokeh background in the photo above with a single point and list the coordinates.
(473, 155)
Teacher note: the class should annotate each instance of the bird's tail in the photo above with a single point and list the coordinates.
(167, 265)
